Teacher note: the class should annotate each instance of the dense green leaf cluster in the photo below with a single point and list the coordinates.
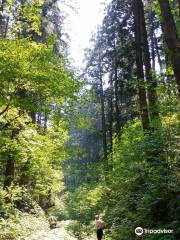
(144, 193)
(137, 192)
(35, 88)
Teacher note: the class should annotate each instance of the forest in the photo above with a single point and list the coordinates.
(103, 140)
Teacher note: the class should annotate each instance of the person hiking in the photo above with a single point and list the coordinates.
(100, 225)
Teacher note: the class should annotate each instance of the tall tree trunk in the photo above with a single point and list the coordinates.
(153, 55)
(158, 54)
(39, 118)
(24, 179)
(171, 38)
(45, 120)
(103, 118)
(103, 121)
(9, 172)
(117, 111)
(151, 82)
(32, 114)
(111, 112)
(2, 18)
(139, 65)
(116, 93)
(151, 17)
(46, 7)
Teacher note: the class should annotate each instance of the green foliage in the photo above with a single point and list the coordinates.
(143, 189)
(37, 92)
(14, 223)
(22, 225)
(59, 210)
(85, 202)
(33, 71)
(27, 17)
(32, 74)
(142, 185)
(36, 167)
(30, 16)
(81, 231)
(34, 82)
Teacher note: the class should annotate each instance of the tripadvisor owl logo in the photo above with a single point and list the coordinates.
(139, 231)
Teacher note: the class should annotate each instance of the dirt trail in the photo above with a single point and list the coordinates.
(59, 233)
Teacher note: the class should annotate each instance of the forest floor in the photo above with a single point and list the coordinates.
(59, 233)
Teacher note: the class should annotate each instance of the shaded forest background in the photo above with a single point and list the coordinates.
(104, 140)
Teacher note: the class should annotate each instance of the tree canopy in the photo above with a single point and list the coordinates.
(104, 141)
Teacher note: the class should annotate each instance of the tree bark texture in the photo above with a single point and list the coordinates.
(9, 172)
(171, 38)
(103, 118)
(139, 65)
(151, 82)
